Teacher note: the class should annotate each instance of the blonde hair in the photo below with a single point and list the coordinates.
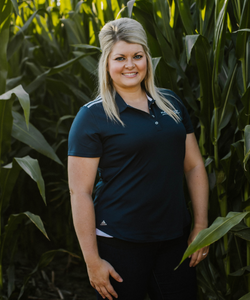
(130, 31)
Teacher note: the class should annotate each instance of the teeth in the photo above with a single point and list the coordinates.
(129, 74)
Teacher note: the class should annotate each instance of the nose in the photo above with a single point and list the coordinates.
(129, 64)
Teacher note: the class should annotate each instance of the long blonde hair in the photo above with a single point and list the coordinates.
(129, 31)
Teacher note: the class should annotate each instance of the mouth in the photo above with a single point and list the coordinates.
(132, 74)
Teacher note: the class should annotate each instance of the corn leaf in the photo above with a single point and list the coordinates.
(243, 31)
(186, 18)
(246, 145)
(130, 5)
(23, 98)
(8, 177)
(31, 167)
(245, 297)
(16, 219)
(217, 230)
(15, 5)
(32, 137)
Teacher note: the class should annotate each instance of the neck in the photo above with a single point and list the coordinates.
(132, 96)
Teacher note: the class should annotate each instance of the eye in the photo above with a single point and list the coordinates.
(120, 58)
(138, 56)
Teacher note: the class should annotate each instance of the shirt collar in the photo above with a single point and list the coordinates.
(122, 105)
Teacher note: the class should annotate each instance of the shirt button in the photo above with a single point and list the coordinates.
(156, 123)
(153, 116)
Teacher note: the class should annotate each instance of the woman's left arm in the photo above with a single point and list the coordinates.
(197, 183)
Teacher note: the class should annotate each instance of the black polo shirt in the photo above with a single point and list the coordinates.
(139, 196)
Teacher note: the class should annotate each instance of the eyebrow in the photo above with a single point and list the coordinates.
(124, 55)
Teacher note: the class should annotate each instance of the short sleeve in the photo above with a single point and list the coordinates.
(84, 137)
(180, 108)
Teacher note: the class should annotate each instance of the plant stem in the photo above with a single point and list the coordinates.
(247, 221)
(244, 76)
(220, 188)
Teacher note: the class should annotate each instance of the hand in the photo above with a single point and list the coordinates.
(99, 273)
(199, 255)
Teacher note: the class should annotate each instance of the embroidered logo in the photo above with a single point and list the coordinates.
(103, 223)
(163, 113)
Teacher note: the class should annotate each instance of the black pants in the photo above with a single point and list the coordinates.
(149, 268)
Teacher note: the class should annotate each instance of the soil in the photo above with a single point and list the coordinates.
(62, 279)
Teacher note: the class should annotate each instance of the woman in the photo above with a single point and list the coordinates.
(141, 140)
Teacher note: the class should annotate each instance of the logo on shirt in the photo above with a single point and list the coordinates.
(103, 223)
(163, 113)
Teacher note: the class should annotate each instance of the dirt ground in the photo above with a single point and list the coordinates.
(63, 279)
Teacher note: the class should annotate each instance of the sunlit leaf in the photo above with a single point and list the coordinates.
(130, 5)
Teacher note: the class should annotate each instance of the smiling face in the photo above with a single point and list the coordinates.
(127, 66)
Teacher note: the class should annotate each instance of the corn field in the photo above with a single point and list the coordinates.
(49, 52)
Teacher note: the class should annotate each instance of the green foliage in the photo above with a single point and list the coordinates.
(200, 49)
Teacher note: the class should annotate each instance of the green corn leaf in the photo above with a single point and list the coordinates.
(11, 279)
(13, 229)
(155, 62)
(190, 41)
(86, 46)
(15, 5)
(8, 178)
(245, 297)
(246, 145)
(243, 31)
(62, 67)
(31, 167)
(36, 83)
(65, 6)
(240, 272)
(130, 5)
(167, 53)
(244, 115)
(5, 14)
(23, 98)
(16, 219)
(88, 63)
(202, 55)
(186, 18)
(228, 102)
(242, 230)
(116, 8)
(61, 120)
(162, 19)
(73, 34)
(17, 40)
(208, 24)
(217, 230)
(32, 137)
(6, 121)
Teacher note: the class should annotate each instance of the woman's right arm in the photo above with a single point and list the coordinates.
(82, 173)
